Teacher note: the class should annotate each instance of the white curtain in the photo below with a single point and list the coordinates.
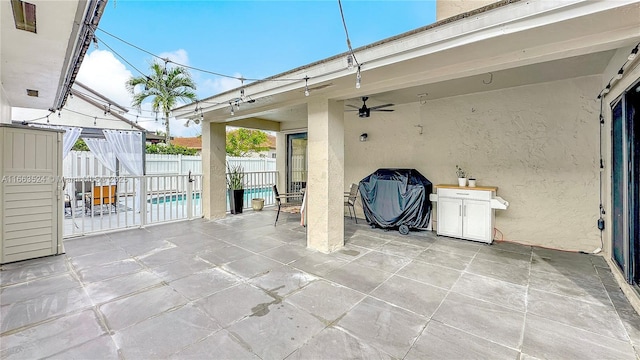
(127, 146)
(103, 151)
(69, 138)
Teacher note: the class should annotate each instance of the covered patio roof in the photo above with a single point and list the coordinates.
(494, 47)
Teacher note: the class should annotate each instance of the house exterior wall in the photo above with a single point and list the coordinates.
(5, 108)
(537, 143)
(449, 8)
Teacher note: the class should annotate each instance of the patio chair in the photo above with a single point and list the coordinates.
(285, 200)
(350, 201)
(100, 196)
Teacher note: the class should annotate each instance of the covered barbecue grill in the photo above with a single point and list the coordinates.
(397, 198)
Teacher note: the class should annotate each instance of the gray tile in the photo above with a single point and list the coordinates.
(283, 280)
(164, 256)
(488, 321)
(606, 276)
(225, 255)
(401, 249)
(598, 261)
(592, 291)
(51, 337)
(456, 246)
(443, 258)
(628, 315)
(388, 328)
(164, 335)
(418, 297)
(122, 313)
(193, 243)
(561, 256)
(106, 290)
(36, 288)
(251, 266)
(358, 277)
(331, 343)
(180, 269)
(581, 314)
(512, 247)
(88, 245)
(440, 341)
(233, 304)
(366, 241)
(140, 248)
(286, 253)
(581, 270)
(221, 345)
(422, 239)
(382, 261)
(430, 274)
(547, 339)
(204, 283)
(325, 300)
(492, 290)
(350, 252)
(503, 257)
(278, 332)
(43, 307)
(98, 259)
(102, 347)
(518, 275)
(257, 243)
(108, 271)
(32, 270)
(318, 263)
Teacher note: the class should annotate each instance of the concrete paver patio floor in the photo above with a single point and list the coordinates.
(240, 288)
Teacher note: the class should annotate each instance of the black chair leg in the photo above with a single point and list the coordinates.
(354, 215)
(277, 215)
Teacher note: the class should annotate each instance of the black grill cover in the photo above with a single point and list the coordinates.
(394, 197)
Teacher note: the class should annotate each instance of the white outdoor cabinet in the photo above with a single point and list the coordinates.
(467, 213)
(30, 192)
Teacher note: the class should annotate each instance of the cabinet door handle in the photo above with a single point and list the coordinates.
(460, 209)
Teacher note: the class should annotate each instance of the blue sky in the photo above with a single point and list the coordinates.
(254, 39)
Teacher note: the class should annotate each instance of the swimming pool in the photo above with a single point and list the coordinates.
(265, 193)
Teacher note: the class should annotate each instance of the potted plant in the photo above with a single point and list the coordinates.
(235, 186)
(257, 204)
(462, 178)
(472, 181)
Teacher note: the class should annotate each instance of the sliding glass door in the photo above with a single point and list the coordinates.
(296, 162)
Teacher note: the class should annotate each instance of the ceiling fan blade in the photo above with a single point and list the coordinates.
(380, 106)
(352, 106)
(386, 110)
(352, 110)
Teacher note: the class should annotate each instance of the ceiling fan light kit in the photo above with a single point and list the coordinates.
(365, 112)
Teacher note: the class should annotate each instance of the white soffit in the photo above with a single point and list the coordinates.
(37, 61)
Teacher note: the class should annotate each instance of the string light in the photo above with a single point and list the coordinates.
(47, 119)
(59, 114)
(95, 120)
(620, 73)
(633, 54)
(306, 86)
(95, 43)
(358, 78)
(232, 112)
(136, 119)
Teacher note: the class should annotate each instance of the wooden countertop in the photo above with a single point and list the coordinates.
(452, 186)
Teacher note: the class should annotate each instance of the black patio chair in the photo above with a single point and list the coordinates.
(286, 200)
(350, 201)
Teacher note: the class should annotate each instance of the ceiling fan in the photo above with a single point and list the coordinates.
(364, 111)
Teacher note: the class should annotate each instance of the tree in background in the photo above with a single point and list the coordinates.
(165, 86)
(80, 145)
(242, 142)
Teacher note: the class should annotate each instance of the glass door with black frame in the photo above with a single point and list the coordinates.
(296, 162)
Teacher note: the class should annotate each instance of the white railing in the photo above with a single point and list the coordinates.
(259, 184)
(98, 204)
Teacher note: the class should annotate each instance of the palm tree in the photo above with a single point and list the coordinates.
(165, 86)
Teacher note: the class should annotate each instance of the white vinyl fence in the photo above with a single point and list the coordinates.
(84, 164)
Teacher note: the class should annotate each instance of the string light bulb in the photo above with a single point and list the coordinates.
(95, 42)
(606, 89)
(358, 78)
(47, 119)
(306, 86)
(95, 120)
(136, 119)
(620, 73)
(633, 54)
(232, 112)
(59, 114)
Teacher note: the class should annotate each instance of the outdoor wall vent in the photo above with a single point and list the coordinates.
(33, 93)
(24, 15)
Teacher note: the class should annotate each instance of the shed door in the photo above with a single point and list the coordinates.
(30, 206)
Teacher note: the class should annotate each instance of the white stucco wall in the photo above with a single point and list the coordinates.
(5, 108)
(537, 143)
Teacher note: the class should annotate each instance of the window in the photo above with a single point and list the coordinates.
(24, 15)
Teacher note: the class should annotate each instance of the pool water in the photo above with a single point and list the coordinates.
(181, 198)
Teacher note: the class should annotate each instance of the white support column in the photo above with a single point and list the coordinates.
(214, 186)
(325, 182)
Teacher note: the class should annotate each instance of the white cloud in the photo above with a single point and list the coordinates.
(179, 56)
(209, 87)
(102, 72)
